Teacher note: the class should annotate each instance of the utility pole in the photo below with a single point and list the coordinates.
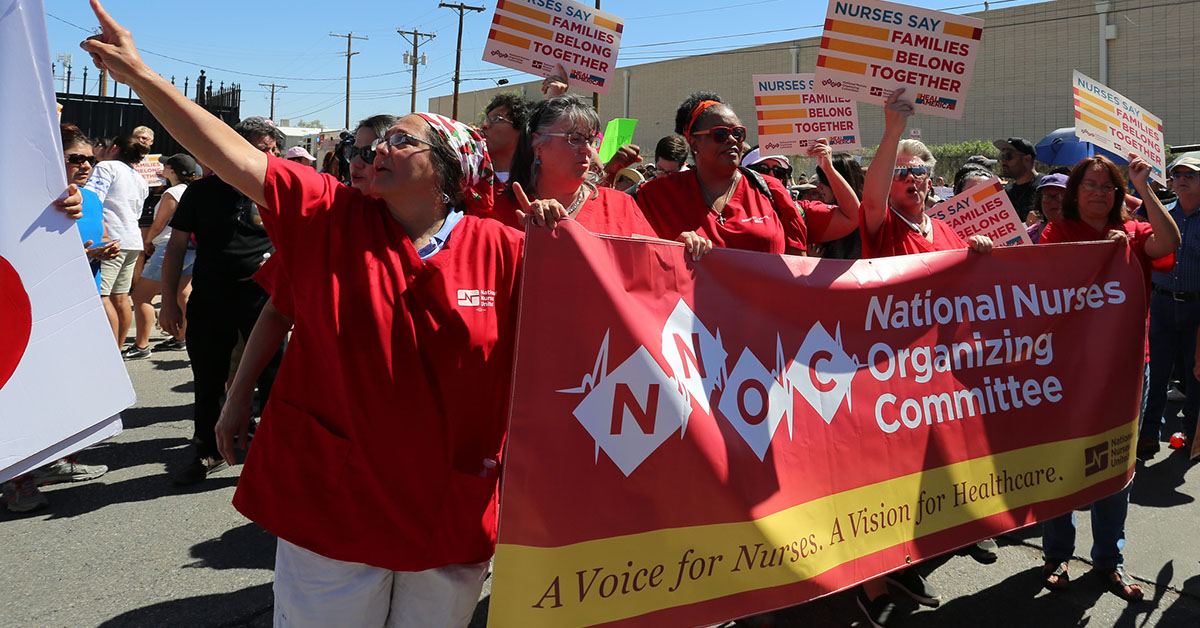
(460, 7)
(416, 39)
(349, 40)
(273, 88)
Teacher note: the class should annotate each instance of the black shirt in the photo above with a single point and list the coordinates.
(231, 243)
(1022, 195)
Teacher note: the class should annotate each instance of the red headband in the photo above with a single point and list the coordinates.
(700, 107)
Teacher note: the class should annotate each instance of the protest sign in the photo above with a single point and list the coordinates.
(708, 445)
(61, 377)
(151, 170)
(534, 35)
(869, 48)
(618, 133)
(983, 210)
(791, 115)
(1115, 123)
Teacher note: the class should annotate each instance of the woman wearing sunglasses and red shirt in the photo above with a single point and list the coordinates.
(715, 199)
(894, 221)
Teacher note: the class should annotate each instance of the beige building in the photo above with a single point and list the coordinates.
(1144, 49)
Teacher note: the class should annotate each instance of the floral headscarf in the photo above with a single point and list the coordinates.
(471, 148)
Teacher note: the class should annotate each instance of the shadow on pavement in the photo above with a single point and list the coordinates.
(85, 497)
(244, 547)
(240, 607)
(1156, 485)
(1184, 611)
(136, 417)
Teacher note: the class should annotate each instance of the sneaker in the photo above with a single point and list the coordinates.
(915, 586)
(985, 551)
(1147, 448)
(878, 611)
(170, 344)
(22, 495)
(199, 469)
(68, 470)
(1175, 395)
(135, 352)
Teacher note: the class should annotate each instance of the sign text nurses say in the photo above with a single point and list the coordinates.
(870, 48)
(791, 114)
(1117, 124)
(535, 35)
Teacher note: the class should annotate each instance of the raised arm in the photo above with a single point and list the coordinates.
(878, 182)
(206, 137)
(845, 219)
(1166, 238)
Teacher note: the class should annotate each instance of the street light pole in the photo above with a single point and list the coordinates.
(460, 7)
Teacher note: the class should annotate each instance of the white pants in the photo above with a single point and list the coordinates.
(314, 591)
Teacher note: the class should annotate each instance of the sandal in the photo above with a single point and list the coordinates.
(1121, 584)
(1055, 576)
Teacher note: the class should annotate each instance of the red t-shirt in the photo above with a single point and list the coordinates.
(609, 212)
(817, 216)
(272, 276)
(895, 237)
(1138, 232)
(380, 440)
(674, 204)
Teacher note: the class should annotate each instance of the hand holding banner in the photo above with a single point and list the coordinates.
(870, 47)
(983, 210)
(534, 35)
(1115, 123)
(791, 114)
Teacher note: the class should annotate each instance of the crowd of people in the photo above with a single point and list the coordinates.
(341, 285)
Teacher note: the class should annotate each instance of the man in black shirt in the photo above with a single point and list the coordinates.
(231, 245)
(1016, 163)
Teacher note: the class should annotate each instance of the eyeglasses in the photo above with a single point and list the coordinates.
(396, 140)
(365, 153)
(1088, 186)
(919, 172)
(1190, 175)
(578, 139)
(1008, 154)
(720, 134)
(75, 159)
(495, 119)
(779, 172)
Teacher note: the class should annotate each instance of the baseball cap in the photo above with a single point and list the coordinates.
(753, 157)
(1191, 163)
(981, 160)
(299, 151)
(183, 164)
(1053, 180)
(1019, 144)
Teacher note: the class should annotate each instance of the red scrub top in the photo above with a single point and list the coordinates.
(817, 216)
(895, 237)
(1138, 232)
(380, 440)
(609, 212)
(674, 204)
(272, 276)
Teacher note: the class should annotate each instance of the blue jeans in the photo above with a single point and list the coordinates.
(1173, 327)
(1108, 524)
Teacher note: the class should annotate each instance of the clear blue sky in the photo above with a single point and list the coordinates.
(288, 43)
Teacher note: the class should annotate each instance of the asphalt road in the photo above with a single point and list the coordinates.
(132, 549)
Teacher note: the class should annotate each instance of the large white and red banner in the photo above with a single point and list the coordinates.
(61, 377)
(692, 442)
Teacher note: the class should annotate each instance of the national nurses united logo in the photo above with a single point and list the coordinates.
(634, 408)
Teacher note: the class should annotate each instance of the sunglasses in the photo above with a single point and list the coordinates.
(75, 159)
(1190, 175)
(779, 172)
(918, 172)
(397, 140)
(720, 134)
(365, 153)
(578, 139)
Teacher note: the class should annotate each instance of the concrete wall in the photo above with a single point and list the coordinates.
(1021, 85)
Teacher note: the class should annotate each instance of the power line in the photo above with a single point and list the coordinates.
(461, 8)
(273, 88)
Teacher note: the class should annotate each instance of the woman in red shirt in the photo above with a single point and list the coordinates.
(716, 199)
(894, 221)
(405, 319)
(1094, 209)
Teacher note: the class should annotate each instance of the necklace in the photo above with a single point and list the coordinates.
(722, 199)
(924, 228)
(580, 193)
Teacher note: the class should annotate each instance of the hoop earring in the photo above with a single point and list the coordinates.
(445, 198)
